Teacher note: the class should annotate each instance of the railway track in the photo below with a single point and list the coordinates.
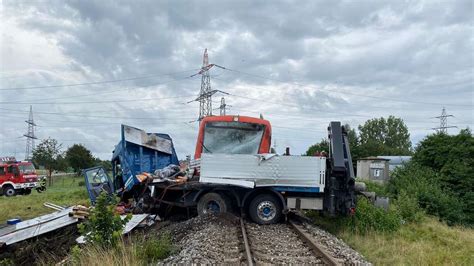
(231, 240)
(281, 244)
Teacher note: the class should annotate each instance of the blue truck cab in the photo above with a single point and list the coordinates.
(137, 152)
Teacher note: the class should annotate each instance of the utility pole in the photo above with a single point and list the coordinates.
(30, 136)
(205, 94)
(223, 106)
(443, 122)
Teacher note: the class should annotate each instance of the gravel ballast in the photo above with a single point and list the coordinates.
(217, 240)
(205, 240)
(335, 246)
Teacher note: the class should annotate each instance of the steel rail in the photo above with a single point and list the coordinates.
(315, 247)
(248, 253)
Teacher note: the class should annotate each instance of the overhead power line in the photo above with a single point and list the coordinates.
(95, 82)
(89, 116)
(103, 92)
(106, 101)
(340, 92)
(295, 105)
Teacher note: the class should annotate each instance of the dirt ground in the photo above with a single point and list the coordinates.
(46, 249)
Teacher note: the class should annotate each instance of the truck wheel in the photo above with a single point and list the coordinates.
(213, 203)
(9, 191)
(265, 209)
(27, 191)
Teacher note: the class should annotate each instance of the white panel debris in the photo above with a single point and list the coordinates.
(264, 170)
(152, 141)
(134, 222)
(137, 220)
(36, 226)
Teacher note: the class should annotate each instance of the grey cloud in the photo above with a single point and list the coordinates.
(410, 50)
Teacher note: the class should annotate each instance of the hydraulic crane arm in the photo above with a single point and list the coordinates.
(340, 179)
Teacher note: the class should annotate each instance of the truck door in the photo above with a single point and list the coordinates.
(12, 171)
(97, 181)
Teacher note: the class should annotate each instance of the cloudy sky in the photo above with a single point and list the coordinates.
(301, 64)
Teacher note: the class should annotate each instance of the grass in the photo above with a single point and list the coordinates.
(429, 242)
(140, 250)
(65, 191)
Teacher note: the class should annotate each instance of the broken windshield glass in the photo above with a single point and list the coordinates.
(232, 137)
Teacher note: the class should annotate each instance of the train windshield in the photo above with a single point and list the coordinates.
(232, 137)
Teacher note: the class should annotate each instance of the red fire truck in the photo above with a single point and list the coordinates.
(16, 177)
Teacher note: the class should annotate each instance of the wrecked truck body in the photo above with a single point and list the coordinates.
(236, 175)
(137, 152)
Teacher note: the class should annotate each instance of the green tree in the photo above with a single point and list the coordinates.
(61, 163)
(79, 157)
(354, 144)
(380, 136)
(323, 145)
(46, 154)
(106, 164)
(453, 158)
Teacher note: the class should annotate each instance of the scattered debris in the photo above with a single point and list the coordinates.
(80, 212)
(53, 206)
(137, 220)
(36, 226)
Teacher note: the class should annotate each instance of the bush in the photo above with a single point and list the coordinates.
(6, 262)
(104, 227)
(368, 218)
(378, 188)
(424, 184)
(81, 183)
(408, 208)
(452, 157)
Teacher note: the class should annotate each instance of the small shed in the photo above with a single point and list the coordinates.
(373, 168)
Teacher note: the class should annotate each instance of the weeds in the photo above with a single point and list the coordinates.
(93, 254)
(154, 249)
(368, 218)
(6, 262)
(139, 251)
(408, 208)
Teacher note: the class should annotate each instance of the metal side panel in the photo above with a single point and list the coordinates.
(38, 226)
(305, 203)
(228, 181)
(152, 141)
(264, 169)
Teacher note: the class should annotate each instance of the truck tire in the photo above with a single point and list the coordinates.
(8, 191)
(265, 209)
(26, 191)
(213, 203)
